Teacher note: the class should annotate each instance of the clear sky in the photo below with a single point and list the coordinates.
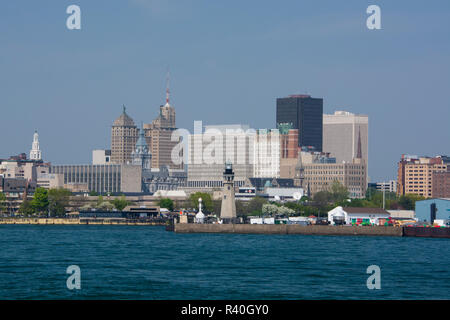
(229, 61)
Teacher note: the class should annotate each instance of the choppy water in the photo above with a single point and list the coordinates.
(119, 262)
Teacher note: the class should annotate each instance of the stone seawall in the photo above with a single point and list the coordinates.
(288, 229)
(72, 221)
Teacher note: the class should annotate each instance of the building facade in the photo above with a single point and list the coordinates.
(306, 115)
(141, 156)
(266, 154)
(101, 156)
(124, 135)
(289, 150)
(209, 150)
(342, 132)
(317, 172)
(389, 186)
(163, 178)
(103, 179)
(423, 209)
(441, 184)
(415, 174)
(158, 135)
(16, 190)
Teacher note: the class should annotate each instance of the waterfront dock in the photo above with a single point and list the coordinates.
(288, 229)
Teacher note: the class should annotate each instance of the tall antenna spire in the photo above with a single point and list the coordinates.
(167, 86)
(359, 152)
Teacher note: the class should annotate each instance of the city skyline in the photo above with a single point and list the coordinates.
(77, 81)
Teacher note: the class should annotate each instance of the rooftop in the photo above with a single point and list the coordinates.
(364, 210)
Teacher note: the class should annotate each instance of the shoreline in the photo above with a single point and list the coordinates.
(75, 221)
(269, 229)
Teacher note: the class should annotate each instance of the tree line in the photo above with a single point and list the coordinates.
(322, 202)
(55, 203)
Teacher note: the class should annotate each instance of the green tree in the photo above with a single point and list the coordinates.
(338, 192)
(408, 201)
(2, 202)
(206, 201)
(120, 203)
(304, 199)
(105, 205)
(166, 203)
(181, 204)
(26, 208)
(40, 200)
(58, 201)
(369, 192)
(255, 205)
(93, 193)
(99, 200)
(269, 209)
(322, 199)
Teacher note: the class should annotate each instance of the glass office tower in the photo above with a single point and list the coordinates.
(306, 115)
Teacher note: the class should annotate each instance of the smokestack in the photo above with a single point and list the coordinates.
(432, 212)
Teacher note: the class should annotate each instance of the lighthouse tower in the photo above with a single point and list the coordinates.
(228, 209)
(35, 152)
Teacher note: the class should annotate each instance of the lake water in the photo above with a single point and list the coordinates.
(141, 262)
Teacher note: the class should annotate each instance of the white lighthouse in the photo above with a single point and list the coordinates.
(35, 152)
(228, 210)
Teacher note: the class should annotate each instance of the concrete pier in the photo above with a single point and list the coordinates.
(289, 229)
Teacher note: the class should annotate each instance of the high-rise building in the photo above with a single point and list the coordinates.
(35, 152)
(266, 154)
(415, 174)
(441, 184)
(159, 136)
(208, 151)
(124, 134)
(288, 150)
(305, 114)
(342, 132)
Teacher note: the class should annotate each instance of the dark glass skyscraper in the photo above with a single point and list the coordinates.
(306, 115)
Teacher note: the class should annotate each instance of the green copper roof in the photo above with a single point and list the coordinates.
(284, 127)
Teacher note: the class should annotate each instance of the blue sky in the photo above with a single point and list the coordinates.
(229, 61)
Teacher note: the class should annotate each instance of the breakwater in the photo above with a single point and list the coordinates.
(288, 229)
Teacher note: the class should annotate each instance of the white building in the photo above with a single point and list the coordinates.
(211, 148)
(356, 215)
(35, 152)
(390, 186)
(101, 157)
(266, 154)
(276, 194)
